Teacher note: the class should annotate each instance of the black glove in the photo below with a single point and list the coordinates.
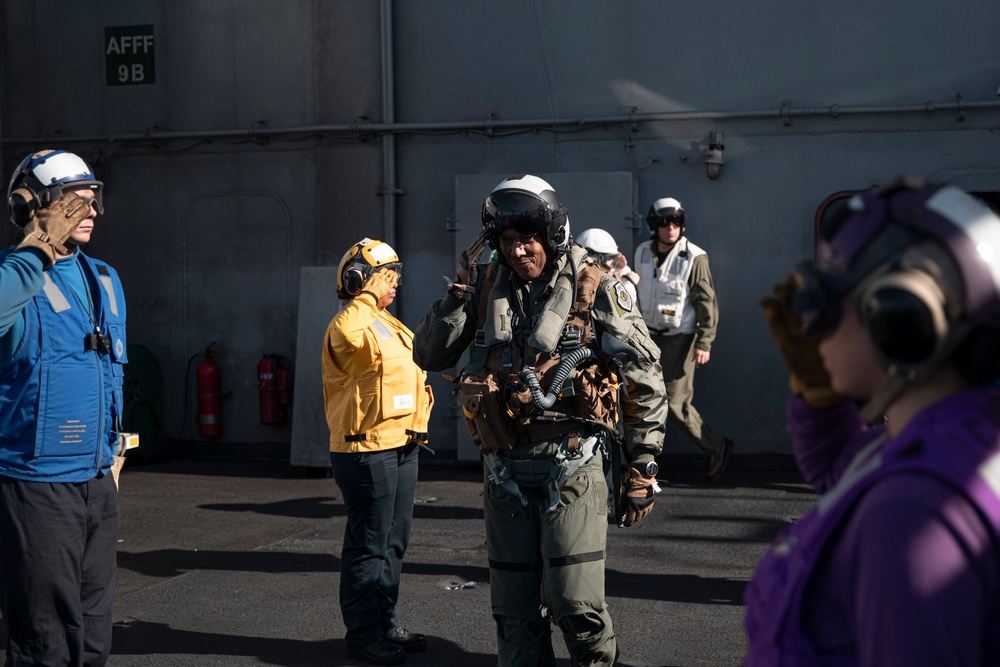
(800, 351)
(50, 227)
(462, 285)
(639, 491)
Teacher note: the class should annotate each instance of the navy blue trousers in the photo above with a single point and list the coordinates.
(58, 546)
(379, 489)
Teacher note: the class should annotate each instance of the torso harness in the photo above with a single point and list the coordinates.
(535, 379)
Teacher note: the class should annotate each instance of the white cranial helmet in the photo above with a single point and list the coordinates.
(598, 241)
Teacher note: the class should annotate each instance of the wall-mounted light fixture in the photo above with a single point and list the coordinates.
(713, 158)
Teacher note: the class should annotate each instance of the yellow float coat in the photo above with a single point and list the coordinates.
(371, 385)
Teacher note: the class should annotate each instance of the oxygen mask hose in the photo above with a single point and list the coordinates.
(566, 364)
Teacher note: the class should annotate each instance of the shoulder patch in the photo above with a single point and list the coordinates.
(623, 298)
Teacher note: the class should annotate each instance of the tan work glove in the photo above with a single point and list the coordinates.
(49, 228)
(380, 283)
(639, 491)
(461, 286)
(800, 351)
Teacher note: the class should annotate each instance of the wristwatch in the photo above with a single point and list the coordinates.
(652, 469)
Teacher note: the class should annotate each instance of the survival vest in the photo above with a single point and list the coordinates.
(518, 358)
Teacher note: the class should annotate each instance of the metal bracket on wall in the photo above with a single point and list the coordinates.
(390, 190)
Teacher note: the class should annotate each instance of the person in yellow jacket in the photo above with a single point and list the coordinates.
(378, 404)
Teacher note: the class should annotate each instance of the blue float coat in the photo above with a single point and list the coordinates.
(59, 403)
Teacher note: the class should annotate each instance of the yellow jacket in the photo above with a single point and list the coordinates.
(376, 396)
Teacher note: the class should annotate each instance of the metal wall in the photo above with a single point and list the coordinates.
(276, 134)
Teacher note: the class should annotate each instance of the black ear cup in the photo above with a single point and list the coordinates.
(353, 281)
(21, 204)
(904, 314)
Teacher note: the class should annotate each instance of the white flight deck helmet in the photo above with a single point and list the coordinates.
(601, 246)
(664, 210)
(43, 176)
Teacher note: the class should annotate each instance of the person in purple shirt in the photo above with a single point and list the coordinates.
(892, 338)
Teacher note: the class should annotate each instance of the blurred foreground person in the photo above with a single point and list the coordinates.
(62, 350)
(377, 407)
(899, 562)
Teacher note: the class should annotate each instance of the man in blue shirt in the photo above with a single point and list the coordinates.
(62, 351)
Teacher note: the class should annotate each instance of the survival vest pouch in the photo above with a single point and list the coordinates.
(589, 392)
(596, 394)
(500, 410)
(487, 417)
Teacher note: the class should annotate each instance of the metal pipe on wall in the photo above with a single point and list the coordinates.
(389, 189)
(492, 125)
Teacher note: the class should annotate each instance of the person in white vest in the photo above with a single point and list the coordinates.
(677, 301)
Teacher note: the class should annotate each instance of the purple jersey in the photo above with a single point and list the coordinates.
(899, 562)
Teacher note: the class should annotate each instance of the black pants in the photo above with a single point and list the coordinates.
(58, 547)
(379, 489)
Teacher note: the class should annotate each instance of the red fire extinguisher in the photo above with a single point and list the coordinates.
(275, 392)
(209, 396)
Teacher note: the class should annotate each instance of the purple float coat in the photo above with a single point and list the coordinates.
(899, 562)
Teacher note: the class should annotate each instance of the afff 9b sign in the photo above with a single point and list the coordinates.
(128, 55)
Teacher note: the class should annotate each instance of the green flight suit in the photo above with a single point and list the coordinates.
(546, 535)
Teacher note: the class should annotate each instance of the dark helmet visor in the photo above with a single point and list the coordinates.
(512, 209)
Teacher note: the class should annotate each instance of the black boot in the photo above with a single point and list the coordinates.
(410, 642)
(378, 652)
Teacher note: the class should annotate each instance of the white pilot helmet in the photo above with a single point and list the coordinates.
(527, 204)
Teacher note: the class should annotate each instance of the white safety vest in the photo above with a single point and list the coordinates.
(663, 290)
